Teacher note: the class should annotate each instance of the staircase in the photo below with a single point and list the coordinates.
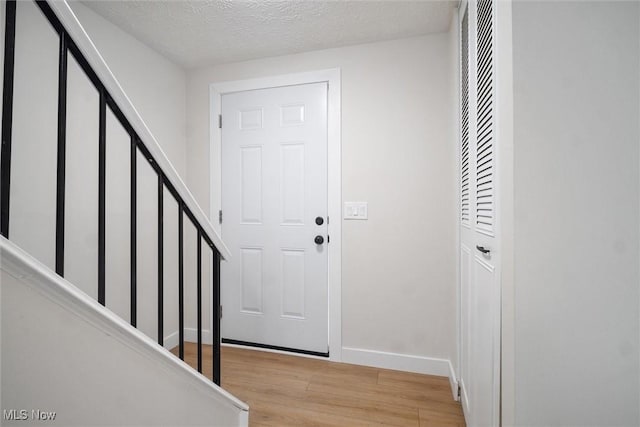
(106, 259)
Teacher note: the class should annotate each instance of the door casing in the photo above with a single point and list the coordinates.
(332, 77)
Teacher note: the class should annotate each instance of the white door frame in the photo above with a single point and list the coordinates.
(505, 204)
(334, 174)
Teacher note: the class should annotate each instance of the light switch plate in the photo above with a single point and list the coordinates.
(355, 210)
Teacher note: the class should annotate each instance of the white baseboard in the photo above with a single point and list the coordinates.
(402, 362)
(453, 382)
(190, 335)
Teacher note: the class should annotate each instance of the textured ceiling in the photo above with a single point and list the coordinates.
(208, 32)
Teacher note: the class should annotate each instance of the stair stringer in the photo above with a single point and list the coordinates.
(63, 352)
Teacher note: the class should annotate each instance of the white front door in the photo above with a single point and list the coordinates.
(479, 245)
(274, 217)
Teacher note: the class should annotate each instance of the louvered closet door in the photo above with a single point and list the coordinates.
(479, 252)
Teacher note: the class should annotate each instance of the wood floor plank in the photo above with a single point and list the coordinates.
(287, 390)
(280, 415)
(353, 410)
(375, 412)
(400, 396)
(442, 411)
(366, 410)
(266, 373)
(413, 381)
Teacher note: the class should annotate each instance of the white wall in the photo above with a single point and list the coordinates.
(576, 139)
(155, 85)
(398, 276)
(159, 96)
(33, 154)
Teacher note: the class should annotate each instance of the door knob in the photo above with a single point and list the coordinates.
(319, 240)
(483, 249)
(319, 220)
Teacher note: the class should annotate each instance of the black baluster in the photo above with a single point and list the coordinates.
(199, 290)
(160, 260)
(7, 115)
(102, 151)
(62, 142)
(134, 231)
(216, 316)
(180, 279)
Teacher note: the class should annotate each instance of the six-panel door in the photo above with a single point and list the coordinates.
(274, 187)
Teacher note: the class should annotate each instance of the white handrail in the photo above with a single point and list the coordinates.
(75, 29)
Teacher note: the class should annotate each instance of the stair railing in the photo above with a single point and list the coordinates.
(96, 70)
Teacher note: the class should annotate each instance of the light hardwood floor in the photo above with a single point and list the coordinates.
(284, 390)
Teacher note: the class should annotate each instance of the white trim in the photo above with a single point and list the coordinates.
(244, 419)
(91, 53)
(31, 272)
(457, 39)
(400, 362)
(171, 340)
(332, 77)
(190, 335)
(453, 382)
(464, 397)
(505, 209)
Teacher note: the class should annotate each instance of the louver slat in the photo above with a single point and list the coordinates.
(485, 119)
(464, 124)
